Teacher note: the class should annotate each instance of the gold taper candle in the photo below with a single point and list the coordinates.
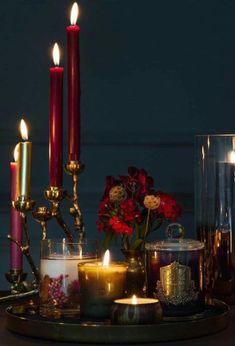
(24, 163)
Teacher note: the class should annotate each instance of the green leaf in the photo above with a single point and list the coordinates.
(107, 240)
(136, 244)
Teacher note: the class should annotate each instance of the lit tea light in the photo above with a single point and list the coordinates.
(134, 300)
(101, 282)
(136, 310)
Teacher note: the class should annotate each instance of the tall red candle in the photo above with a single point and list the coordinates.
(56, 122)
(73, 87)
(16, 231)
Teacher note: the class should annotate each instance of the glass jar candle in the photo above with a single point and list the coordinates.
(175, 273)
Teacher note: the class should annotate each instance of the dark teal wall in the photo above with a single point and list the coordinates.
(154, 74)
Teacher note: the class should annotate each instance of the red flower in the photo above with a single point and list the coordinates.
(128, 214)
(168, 206)
(129, 210)
(100, 225)
(119, 226)
(103, 206)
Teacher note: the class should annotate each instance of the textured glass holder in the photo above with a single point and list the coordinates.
(214, 209)
(59, 287)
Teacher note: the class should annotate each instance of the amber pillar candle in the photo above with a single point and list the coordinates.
(136, 311)
(100, 284)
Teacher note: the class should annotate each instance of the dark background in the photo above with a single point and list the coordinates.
(153, 74)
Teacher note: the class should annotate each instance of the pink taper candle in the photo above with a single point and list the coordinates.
(56, 122)
(16, 232)
(73, 87)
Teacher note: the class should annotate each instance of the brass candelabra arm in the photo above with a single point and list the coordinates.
(23, 205)
(42, 215)
(73, 168)
(55, 195)
(16, 278)
(25, 249)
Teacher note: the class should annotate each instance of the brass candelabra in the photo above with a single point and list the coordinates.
(25, 205)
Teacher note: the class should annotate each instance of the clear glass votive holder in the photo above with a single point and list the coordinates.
(100, 286)
(59, 288)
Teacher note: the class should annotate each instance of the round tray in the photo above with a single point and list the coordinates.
(214, 319)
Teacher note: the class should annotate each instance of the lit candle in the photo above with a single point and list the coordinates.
(101, 283)
(16, 230)
(56, 121)
(73, 86)
(136, 311)
(24, 162)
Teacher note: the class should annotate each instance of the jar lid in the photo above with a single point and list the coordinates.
(175, 241)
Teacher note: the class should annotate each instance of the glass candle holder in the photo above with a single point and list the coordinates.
(100, 286)
(175, 274)
(136, 311)
(59, 285)
(214, 209)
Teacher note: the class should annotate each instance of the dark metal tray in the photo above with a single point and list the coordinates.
(214, 319)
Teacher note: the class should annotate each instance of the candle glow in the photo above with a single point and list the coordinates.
(16, 153)
(106, 258)
(74, 14)
(232, 156)
(134, 300)
(56, 54)
(23, 130)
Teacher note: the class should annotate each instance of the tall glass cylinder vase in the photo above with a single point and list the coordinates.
(214, 210)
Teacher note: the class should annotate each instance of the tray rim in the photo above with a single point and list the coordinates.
(118, 334)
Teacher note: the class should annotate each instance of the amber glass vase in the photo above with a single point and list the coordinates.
(136, 274)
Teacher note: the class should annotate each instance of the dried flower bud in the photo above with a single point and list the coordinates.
(117, 193)
(152, 202)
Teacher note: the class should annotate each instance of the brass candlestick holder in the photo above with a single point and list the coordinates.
(74, 168)
(24, 205)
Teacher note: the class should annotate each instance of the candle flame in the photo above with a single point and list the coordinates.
(80, 252)
(16, 152)
(134, 300)
(74, 14)
(203, 153)
(106, 258)
(208, 142)
(23, 130)
(56, 54)
(232, 156)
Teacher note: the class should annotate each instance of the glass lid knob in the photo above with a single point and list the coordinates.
(175, 231)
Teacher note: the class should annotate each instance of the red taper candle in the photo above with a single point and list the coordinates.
(56, 122)
(74, 91)
(16, 231)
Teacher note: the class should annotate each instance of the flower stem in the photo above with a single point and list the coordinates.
(147, 225)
